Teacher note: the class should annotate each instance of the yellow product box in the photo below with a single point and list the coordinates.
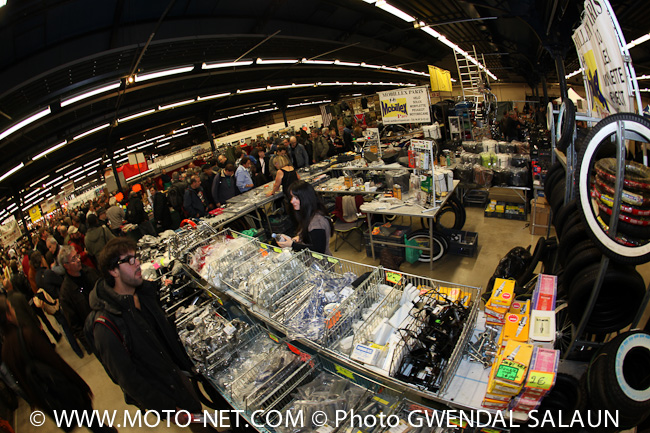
(502, 293)
(494, 404)
(516, 327)
(520, 307)
(512, 364)
(496, 311)
(494, 387)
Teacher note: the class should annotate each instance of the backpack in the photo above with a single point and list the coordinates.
(174, 197)
(101, 318)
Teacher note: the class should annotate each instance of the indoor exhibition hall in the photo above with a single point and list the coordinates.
(317, 216)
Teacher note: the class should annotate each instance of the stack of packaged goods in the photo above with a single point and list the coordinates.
(526, 364)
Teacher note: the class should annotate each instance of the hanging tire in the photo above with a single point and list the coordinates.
(572, 236)
(621, 290)
(581, 255)
(619, 378)
(557, 196)
(563, 214)
(569, 221)
(619, 249)
(565, 124)
(440, 244)
(551, 174)
(630, 225)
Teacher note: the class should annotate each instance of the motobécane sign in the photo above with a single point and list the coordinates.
(408, 105)
(601, 51)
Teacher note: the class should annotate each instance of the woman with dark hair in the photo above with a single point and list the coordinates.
(314, 226)
(27, 354)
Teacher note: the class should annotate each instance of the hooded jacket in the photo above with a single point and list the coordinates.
(96, 238)
(140, 349)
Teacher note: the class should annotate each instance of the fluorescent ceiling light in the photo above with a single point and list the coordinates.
(287, 86)
(338, 62)
(276, 61)
(91, 167)
(136, 144)
(91, 173)
(180, 134)
(91, 131)
(12, 171)
(162, 145)
(3, 3)
(365, 65)
(381, 4)
(39, 181)
(135, 116)
(90, 93)
(638, 41)
(176, 104)
(165, 73)
(92, 162)
(317, 62)
(218, 95)
(54, 180)
(254, 90)
(72, 176)
(64, 167)
(156, 137)
(50, 150)
(573, 74)
(643, 77)
(76, 169)
(31, 119)
(226, 64)
(147, 145)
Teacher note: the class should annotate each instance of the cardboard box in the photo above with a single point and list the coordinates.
(494, 404)
(502, 293)
(542, 372)
(516, 327)
(512, 364)
(545, 293)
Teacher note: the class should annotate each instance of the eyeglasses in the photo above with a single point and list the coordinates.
(75, 258)
(128, 259)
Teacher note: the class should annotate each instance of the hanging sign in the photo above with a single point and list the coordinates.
(406, 105)
(35, 213)
(9, 232)
(605, 61)
(440, 79)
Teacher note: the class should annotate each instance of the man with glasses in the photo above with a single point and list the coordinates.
(75, 290)
(138, 347)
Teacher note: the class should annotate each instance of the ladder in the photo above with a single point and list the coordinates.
(472, 80)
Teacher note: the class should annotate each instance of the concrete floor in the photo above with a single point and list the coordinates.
(496, 238)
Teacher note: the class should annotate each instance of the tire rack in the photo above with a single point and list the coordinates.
(342, 365)
(570, 162)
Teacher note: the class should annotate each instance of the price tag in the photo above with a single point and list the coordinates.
(393, 277)
(332, 320)
(317, 256)
(277, 250)
(540, 380)
(294, 349)
(218, 299)
(332, 260)
(344, 372)
(274, 338)
(266, 247)
(511, 371)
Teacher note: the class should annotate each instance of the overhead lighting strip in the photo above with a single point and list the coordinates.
(91, 131)
(639, 41)
(163, 73)
(12, 171)
(20, 125)
(135, 116)
(50, 150)
(573, 74)
(90, 93)
(217, 65)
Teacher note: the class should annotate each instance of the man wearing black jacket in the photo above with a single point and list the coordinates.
(138, 347)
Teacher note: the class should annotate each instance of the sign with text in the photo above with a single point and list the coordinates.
(9, 232)
(604, 59)
(407, 105)
(35, 213)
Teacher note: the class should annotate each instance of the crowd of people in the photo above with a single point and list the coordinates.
(80, 270)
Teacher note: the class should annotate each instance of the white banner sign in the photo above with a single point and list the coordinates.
(406, 105)
(601, 49)
(9, 232)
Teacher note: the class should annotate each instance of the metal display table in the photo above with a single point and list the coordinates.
(405, 208)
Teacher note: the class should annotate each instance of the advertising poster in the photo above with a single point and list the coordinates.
(601, 51)
(9, 232)
(440, 79)
(35, 213)
(406, 105)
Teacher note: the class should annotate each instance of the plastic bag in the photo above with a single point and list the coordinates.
(412, 255)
